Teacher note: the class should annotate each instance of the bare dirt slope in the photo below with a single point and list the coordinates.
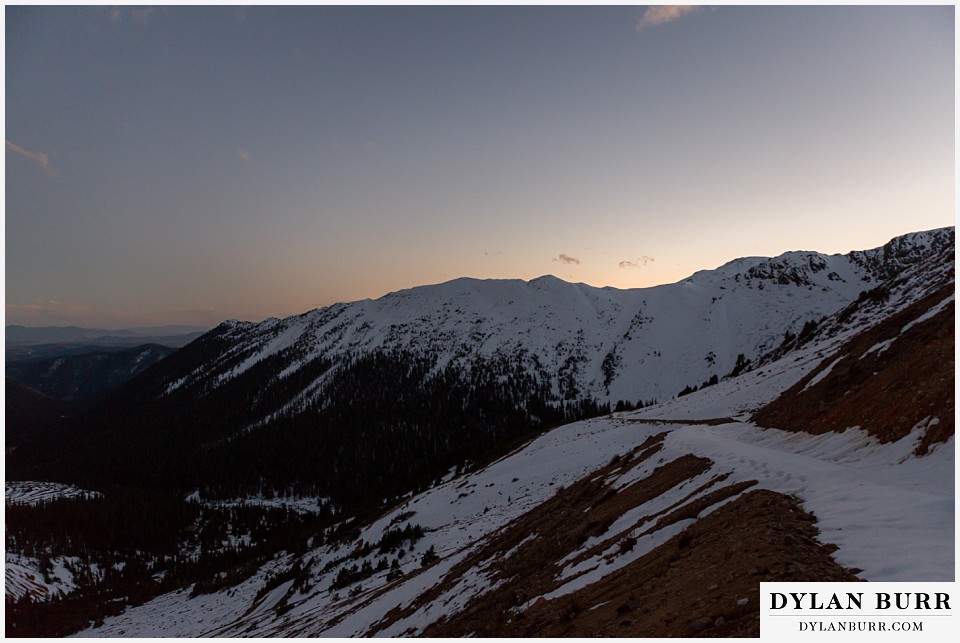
(703, 581)
(891, 378)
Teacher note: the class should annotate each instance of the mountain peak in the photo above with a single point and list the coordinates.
(547, 279)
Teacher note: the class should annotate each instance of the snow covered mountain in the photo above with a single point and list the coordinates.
(413, 429)
(582, 342)
(390, 392)
(655, 522)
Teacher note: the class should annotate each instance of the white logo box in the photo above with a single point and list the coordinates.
(865, 611)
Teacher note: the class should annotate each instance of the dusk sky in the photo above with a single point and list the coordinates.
(189, 165)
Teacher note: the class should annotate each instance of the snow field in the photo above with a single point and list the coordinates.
(23, 576)
(34, 492)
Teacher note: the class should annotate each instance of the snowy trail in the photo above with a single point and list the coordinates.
(891, 516)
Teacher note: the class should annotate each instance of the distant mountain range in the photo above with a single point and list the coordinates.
(71, 363)
(52, 342)
(17, 335)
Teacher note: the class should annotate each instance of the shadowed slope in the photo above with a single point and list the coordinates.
(890, 379)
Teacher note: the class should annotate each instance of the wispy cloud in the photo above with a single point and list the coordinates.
(21, 307)
(40, 158)
(244, 155)
(638, 263)
(661, 14)
(562, 258)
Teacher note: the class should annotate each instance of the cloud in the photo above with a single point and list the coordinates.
(639, 263)
(370, 145)
(40, 158)
(567, 259)
(244, 155)
(661, 14)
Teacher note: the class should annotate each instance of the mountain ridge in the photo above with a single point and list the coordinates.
(454, 493)
(21, 335)
(450, 371)
(477, 313)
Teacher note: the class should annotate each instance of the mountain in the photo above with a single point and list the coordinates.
(455, 487)
(656, 522)
(580, 341)
(17, 335)
(387, 394)
(30, 343)
(73, 377)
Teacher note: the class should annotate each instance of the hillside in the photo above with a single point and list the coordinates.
(88, 374)
(27, 411)
(808, 462)
(437, 469)
(603, 527)
(894, 378)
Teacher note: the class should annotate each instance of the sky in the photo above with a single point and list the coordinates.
(187, 165)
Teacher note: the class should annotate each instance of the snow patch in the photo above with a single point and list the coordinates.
(819, 377)
(930, 314)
